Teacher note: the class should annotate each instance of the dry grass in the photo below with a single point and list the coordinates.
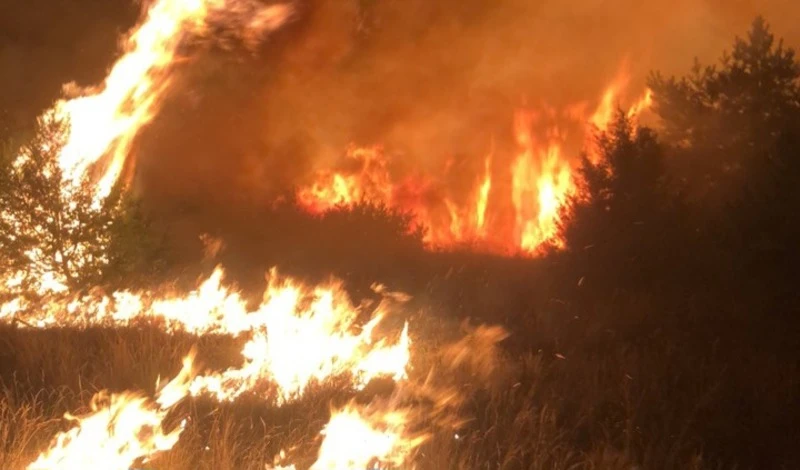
(620, 405)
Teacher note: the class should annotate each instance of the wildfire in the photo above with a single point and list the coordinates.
(297, 334)
(366, 437)
(120, 430)
(515, 203)
(104, 121)
(302, 335)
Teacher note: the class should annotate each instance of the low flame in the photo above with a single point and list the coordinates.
(302, 335)
(297, 335)
(120, 430)
(372, 437)
(364, 437)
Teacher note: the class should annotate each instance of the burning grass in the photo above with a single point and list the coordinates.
(601, 404)
(304, 376)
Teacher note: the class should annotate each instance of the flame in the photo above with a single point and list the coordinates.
(643, 103)
(104, 121)
(101, 123)
(120, 430)
(297, 334)
(540, 184)
(303, 335)
(514, 205)
(373, 437)
(366, 437)
(371, 183)
(483, 197)
(608, 105)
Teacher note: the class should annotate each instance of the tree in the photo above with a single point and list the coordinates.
(618, 219)
(54, 237)
(721, 121)
(733, 132)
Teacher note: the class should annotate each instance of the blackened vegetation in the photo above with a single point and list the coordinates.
(665, 336)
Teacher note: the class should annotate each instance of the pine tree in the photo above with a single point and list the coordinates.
(722, 121)
(616, 221)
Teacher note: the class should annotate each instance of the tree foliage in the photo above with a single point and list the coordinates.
(617, 218)
(731, 144)
(724, 121)
(53, 235)
(733, 132)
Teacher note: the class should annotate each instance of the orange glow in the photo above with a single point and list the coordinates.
(302, 335)
(297, 335)
(120, 430)
(104, 121)
(514, 203)
(365, 437)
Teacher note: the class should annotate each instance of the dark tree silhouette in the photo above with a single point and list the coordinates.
(733, 131)
(723, 121)
(617, 220)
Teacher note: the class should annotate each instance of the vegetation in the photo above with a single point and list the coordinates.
(51, 228)
(665, 336)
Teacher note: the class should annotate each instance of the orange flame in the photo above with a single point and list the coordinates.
(303, 335)
(371, 437)
(483, 197)
(519, 214)
(105, 121)
(120, 430)
(298, 334)
(372, 183)
(364, 437)
(540, 184)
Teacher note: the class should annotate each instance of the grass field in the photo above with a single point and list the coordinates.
(611, 386)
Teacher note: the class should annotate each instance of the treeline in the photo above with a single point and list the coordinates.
(668, 324)
(707, 196)
(711, 195)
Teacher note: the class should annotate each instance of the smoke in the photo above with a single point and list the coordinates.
(428, 80)
(432, 81)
